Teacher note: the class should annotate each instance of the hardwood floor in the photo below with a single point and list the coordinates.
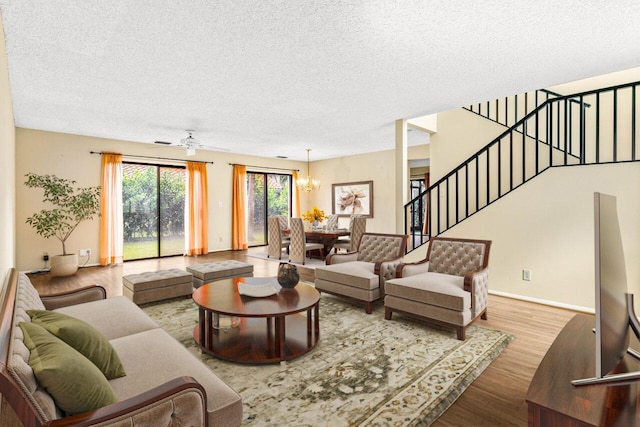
(496, 398)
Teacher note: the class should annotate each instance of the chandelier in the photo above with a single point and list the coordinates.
(308, 184)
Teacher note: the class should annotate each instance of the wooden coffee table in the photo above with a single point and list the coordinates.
(270, 329)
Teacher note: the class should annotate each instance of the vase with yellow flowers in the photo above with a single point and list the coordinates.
(314, 216)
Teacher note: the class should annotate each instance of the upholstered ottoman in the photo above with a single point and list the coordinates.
(212, 271)
(157, 285)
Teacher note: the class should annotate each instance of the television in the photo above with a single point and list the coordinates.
(614, 304)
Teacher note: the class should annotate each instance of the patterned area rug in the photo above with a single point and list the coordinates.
(364, 370)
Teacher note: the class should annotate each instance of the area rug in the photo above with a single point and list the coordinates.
(311, 263)
(364, 370)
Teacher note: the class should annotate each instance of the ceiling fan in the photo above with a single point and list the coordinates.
(190, 143)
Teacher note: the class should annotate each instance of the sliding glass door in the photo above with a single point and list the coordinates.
(153, 210)
(267, 195)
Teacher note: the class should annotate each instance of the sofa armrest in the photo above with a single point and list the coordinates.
(340, 258)
(78, 296)
(477, 283)
(181, 401)
(386, 268)
(412, 268)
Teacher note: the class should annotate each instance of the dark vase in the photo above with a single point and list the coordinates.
(288, 276)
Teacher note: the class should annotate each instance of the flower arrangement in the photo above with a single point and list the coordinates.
(314, 214)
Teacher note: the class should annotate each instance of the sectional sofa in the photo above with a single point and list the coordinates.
(163, 384)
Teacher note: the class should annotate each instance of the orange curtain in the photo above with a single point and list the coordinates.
(238, 220)
(296, 197)
(111, 236)
(196, 209)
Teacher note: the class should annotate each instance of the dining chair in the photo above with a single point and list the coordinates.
(299, 246)
(358, 228)
(276, 241)
(332, 222)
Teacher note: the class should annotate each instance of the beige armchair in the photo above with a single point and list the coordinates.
(361, 275)
(299, 246)
(449, 287)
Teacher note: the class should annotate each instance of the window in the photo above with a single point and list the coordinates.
(153, 210)
(417, 187)
(261, 204)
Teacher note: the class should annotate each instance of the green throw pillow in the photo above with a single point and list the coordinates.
(84, 338)
(75, 383)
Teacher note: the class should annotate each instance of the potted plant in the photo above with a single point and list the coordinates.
(72, 205)
(314, 216)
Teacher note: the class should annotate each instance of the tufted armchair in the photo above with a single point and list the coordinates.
(449, 287)
(361, 275)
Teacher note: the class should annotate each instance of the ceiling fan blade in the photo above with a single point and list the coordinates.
(162, 142)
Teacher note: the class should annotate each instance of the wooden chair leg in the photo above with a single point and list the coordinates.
(460, 330)
(483, 316)
(387, 313)
(369, 308)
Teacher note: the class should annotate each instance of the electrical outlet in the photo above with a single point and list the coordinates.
(526, 274)
(85, 252)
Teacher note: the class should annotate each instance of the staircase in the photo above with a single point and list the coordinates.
(544, 130)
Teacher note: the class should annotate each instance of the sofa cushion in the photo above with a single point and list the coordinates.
(454, 317)
(114, 317)
(456, 257)
(83, 337)
(442, 290)
(27, 298)
(75, 383)
(211, 271)
(374, 247)
(358, 274)
(156, 279)
(171, 360)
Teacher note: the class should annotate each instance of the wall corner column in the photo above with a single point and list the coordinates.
(402, 173)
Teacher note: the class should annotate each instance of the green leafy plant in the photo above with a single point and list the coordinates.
(72, 205)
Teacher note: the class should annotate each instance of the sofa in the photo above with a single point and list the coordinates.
(163, 384)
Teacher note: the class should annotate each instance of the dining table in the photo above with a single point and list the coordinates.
(327, 237)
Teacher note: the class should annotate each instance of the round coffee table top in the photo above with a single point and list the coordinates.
(222, 297)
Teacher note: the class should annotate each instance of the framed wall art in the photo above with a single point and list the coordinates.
(352, 198)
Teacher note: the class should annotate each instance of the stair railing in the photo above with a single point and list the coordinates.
(558, 132)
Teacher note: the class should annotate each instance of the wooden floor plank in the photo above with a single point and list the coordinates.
(496, 398)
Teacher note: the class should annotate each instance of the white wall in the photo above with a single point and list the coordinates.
(547, 226)
(377, 167)
(7, 168)
(68, 156)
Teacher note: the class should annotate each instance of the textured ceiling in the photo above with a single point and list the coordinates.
(272, 78)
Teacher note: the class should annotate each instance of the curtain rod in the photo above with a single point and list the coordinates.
(264, 167)
(153, 157)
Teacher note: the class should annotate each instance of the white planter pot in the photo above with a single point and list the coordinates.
(64, 265)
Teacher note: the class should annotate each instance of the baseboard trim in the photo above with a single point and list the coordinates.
(544, 302)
